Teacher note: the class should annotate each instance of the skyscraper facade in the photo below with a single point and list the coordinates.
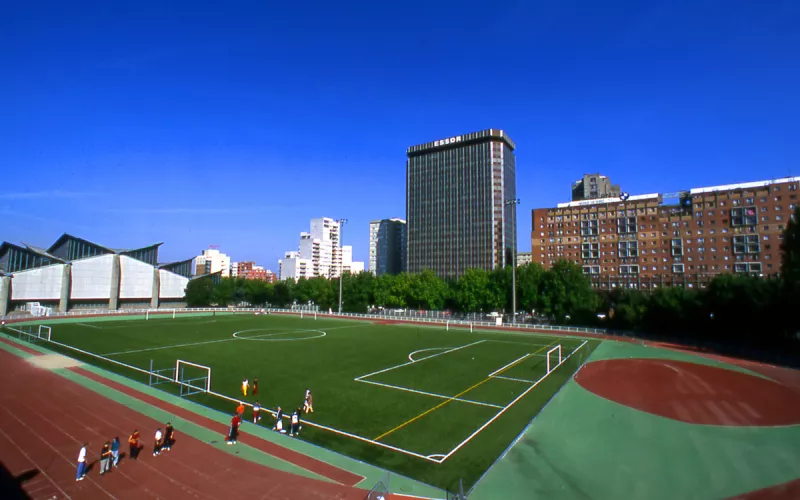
(456, 194)
(387, 246)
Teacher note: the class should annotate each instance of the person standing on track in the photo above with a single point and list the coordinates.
(295, 425)
(169, 434)
(105, 459)
(256, 411)
(133, 441)
(279, 421)
(115, 451)
(233, 433)
(240, 409)
(81, 463)
(157, 442)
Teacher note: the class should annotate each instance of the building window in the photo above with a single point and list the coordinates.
(677, 247)
(591, 269)
(677, 268)
(744, 216)
(626, 225)
(590, 250)
(747, 267)
(628, 248)
(629, 269)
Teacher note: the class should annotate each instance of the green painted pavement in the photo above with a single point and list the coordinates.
(397, 483)
(584, 446)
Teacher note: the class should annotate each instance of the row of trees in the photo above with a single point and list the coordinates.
(736, 309)
(560, 292)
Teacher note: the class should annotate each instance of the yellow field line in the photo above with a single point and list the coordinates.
(456, 396)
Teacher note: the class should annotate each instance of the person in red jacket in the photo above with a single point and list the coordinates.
(233, 433)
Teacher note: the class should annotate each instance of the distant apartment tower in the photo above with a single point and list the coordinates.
(320, 253)
(456, 194)
(647, 241)
(387, 246)
(593, 187)
(212, 261)
(523, 258)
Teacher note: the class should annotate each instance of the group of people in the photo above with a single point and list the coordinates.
(109, 454)
(294, 425)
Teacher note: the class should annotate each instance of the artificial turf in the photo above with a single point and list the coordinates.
(289, 355)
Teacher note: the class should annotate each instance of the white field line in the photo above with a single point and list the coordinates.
(517, 361)
(518, 343)
(411, 356)
(312, 424)
(192, 344)
(90, 326)
(509, 405)
(412, 362)
(441, 396)
(515, 379)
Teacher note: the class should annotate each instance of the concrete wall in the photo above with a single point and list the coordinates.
(171, 285)
(136, 279)
(91, 278)
(43, 283)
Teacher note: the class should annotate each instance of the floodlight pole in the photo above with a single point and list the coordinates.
(513, 204)
(341, 222)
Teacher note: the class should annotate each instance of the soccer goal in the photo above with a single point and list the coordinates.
(192, 378)
(161, 376)
(554, 358)
(45, 332)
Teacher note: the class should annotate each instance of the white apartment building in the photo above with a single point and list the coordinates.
(292, 266)
(212, 261)
(319, 249)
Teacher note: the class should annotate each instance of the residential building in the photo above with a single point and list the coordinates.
(457, 191)
(292, 266)
(213, 261)
(387, 246)
(682, 238)
(593, 187)
(523, 258)
(319, 251)
(348, 264)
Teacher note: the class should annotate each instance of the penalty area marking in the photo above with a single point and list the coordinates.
(411, 356)
(264, 337)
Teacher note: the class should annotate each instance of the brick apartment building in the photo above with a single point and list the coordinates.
(644, 242)
(250, 271)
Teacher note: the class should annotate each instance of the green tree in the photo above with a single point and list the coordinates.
(199, 292)
(473, 291)
(393, 290)
(566, 291)
(357, 291)
(790, 250)
(282, 293)
(256, 292)
(427, 291)
(529, 282)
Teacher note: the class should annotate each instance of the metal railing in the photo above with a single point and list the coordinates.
(423, 317)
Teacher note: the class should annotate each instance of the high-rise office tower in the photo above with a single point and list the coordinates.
(457, 191)
(387, 246)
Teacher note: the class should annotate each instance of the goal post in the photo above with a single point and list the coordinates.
(554, 358)
(192, 384)
(45, 332)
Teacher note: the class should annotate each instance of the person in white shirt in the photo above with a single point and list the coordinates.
(81, 463)
(157, 443)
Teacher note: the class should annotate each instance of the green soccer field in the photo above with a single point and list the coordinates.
(432, 404)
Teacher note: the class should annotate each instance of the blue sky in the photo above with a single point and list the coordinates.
(234, 123)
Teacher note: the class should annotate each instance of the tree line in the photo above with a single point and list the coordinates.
(733, 308)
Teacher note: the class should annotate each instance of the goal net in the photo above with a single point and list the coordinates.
(192, 378)
(554, 358)
(32, 333)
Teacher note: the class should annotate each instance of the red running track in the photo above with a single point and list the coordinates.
(44, 418)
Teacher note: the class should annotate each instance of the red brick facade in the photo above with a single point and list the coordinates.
(642, 242)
